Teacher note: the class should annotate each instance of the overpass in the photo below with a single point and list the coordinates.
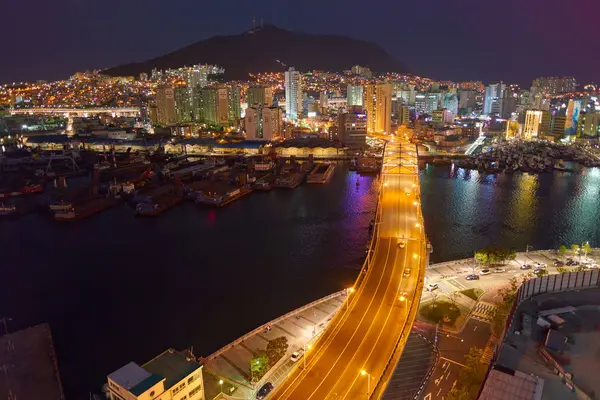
(356, 355)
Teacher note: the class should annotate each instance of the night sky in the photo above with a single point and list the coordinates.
(512, 40)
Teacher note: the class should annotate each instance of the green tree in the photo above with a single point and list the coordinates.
(586, 248)
(542, 272)
(459, 393)
(472, 374)
(579, 268)
(562, 250)
(562, 270)
(258, 366)
(276, 349)
(575, 248)
(481, 256)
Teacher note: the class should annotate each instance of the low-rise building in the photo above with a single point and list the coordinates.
(170, 376)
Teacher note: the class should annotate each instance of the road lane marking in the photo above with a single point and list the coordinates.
(439, 391)
(427, 397)
(452, 361)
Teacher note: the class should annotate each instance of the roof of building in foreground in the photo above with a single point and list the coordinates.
(173, 366)
(505, 384)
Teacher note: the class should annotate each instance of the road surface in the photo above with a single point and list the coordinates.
(380, 312)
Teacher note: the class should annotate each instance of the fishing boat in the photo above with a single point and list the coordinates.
(60, 206)
(7, 210)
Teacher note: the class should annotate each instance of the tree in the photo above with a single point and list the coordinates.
(562, 250)
(562, 270)
(258, 366)
(276, 349)
(453, 297)
(575, 248)
(459, 393)
(472, 374)
(586, 248)
(542, 272)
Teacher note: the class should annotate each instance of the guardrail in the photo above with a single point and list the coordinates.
(273, 322)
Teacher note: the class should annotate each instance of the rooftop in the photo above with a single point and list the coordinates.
(129, 375)
(173, 366)
(504, 384)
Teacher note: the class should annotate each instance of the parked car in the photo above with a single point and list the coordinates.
(472, 277)
(431, 287)
(572, 263)
(485, 272)
(297, 355)
(264, 391)
(525, 266)
(558, 263)
(499, 270)
(406, 272)
(540, 265)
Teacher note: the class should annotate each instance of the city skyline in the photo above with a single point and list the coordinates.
(469, 49)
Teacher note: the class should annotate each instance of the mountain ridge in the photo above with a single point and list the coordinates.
(268, 49)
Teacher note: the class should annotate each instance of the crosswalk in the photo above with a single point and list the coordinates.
(484, 311)
(488, 352)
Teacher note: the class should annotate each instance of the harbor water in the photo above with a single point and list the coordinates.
(116, 288)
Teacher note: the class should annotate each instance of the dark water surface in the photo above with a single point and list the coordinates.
(116, 288)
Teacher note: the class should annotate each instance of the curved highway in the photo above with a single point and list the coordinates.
(357, 353)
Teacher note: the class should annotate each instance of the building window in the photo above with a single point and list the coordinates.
(191, 379)
(195, 390)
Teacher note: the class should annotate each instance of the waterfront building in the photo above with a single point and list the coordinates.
(533, 124)
(572, 117)
(183, 104)
(353, 127)
(554, 85)
(170, 376)
(165, 105)
(492, 101)
(378, 105)
(293, 94)
(263, 123)
(355, 95)
(559, 122)
(590, 125)
(259, 95)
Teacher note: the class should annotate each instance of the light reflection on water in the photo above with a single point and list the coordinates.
(465, 210)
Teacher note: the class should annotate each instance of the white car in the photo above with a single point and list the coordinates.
(485, 272)
(430, 287)
(499, 270)
(540, 265)
(296, 355)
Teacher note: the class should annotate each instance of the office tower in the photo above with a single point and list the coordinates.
(492, 101)
(355, 95)
(533, 124)
(172, 375)
(554, 85)
(263, 123)
(444, 116)
(260, 95)
(546, 123)
(183, 104)
(165, 104)
(293, 94)
(362, 71)
(572, 117)
(427, 103)
(450, 102)
(353, 127)
(467, 99)
(378, 105)
(509, 104)
(403, 115)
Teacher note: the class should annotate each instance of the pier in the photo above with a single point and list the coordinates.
(322, 173)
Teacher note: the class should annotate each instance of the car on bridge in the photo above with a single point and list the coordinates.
(406, 272)
(401, 243)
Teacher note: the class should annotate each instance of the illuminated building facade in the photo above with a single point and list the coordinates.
(554, 85)
(263, 123)
(259, 95)
(353, 127)
(183, 104)
(165, 105)
(378, 105)
(293, 94)
(492, 101)
(533, 124)
(355, 95)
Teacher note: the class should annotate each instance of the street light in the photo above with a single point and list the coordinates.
(348, 291)
(221, 383)
(363, 373)
(306, 353)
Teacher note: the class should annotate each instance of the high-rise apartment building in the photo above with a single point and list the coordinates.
(355, 95)
(559, 122)
(443, 116)
(165, 105)
(492, 101)
(219, 105)
(403, 115)
(293, 94)
(259, 95)
(353, 127)
(263, 123)
(590, 125)
(170, 376)
(467, 99)
(554, 85)
(183, 104)
(362, 71)
(234, 107)
(378, 105)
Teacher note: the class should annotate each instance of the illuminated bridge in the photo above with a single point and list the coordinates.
(356, 355)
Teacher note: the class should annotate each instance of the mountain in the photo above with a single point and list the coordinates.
(270, 49)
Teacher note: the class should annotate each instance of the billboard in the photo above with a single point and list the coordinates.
(573, 111)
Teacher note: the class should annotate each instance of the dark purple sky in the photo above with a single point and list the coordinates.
(513, 40)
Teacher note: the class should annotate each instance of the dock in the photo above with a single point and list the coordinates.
(30, 365)
(321, 173)
(94, 204)
(290, 181)
(158, 205)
